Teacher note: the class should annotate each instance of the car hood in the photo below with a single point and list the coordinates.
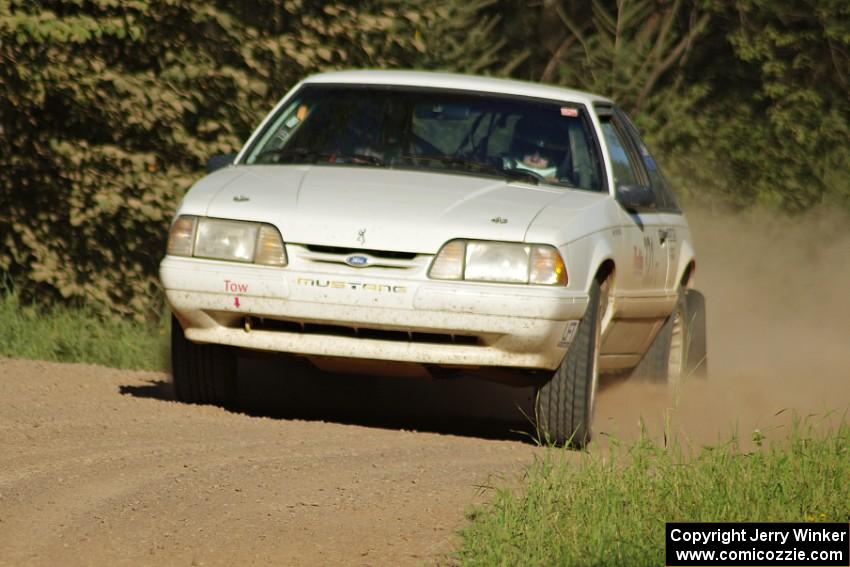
(368, 208)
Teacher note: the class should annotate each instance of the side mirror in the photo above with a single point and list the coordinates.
(219, 161)
(636, 198)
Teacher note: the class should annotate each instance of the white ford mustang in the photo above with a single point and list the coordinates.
(437, 224)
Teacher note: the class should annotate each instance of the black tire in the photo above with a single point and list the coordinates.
(564, 404)
(655, 364)
(679, 348)
(696, 358)
(202, 374)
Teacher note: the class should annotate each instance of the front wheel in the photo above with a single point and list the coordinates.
(564, 404)
(202, 374)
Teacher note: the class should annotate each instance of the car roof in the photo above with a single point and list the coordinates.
(457, 82)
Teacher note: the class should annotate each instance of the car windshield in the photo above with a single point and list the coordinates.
(523, 139)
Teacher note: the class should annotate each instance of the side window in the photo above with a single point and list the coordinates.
(656, 179)
(622, 159)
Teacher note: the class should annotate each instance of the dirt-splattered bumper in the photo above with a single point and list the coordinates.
(378, 316)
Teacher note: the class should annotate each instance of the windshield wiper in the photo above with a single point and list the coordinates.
(477, 166)
(306, 154)
(371, 159)
(522, 175)
(313, 156)
(448, 160)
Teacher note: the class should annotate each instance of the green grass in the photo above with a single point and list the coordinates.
(611, 509)
(66, 334)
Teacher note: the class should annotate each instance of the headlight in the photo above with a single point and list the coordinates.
(219, 239)
(504, 262)
(226, 240)
(181, 238)
(496, 262)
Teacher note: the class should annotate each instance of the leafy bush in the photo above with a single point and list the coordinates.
(110, 109)
(775, 128)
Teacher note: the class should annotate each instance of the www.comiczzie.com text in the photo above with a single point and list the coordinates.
(755, 543)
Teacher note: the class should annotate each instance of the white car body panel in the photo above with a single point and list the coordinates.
(331, 205)
(416, 212)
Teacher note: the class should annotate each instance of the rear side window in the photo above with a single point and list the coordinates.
(659, 184)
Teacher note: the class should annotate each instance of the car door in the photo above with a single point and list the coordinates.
(674, 229)
(644, 276)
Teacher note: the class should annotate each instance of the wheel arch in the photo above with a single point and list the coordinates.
(606, 270)
(686, 281)
(687, 266)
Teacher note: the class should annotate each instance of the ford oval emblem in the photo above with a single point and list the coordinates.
(357, 261)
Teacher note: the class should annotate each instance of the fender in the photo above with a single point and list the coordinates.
(591, 252)
(602, 252)
(588, 254)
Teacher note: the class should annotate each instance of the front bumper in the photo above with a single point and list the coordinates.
(377, 315)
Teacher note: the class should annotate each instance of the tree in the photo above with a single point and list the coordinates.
(112, 109)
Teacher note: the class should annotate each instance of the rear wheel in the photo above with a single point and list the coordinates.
(696, 356)
(679, 348)
(202, 374)
(564, 404)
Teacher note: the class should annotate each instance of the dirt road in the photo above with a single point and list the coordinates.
(100, 466)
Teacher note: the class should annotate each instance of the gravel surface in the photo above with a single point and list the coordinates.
(100, 466)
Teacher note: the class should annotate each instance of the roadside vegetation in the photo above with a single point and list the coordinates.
(611, 508)
(111, 109)
(62, 333)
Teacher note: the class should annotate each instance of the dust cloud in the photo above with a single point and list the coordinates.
(778, 299)
(778, 307)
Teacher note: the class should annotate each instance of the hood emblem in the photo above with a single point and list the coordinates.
(240, 198)
(361, 236)
(357, 261)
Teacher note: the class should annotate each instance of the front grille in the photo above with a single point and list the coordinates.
(389, 254)
(362, 332)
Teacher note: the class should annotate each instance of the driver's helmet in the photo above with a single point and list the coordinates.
(538, 146)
